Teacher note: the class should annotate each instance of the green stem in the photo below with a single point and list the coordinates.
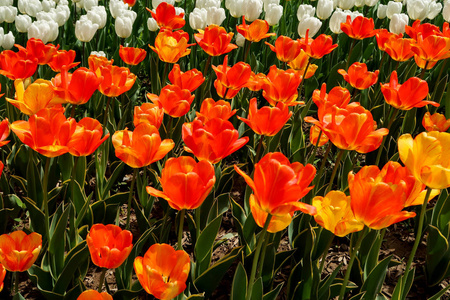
(313, 156)
(258, 150)
(322, 167)
(247, 49)
(350, 264)
(16, 283)
(102, 279)
(336, 166)
(180, 230)
(380, 149)
(263, 255)
(105, 116)
(45, 198)
(164, 78)
(130, 196)
(256, 257)
(350, 54)
(422, 74)
(197, 223)
(324, 255)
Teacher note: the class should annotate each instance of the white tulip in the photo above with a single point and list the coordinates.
(197, 18)
(22, 6)
(268, 2)
(2, 35)
(23, 22)
(398, 23)
(235, 7)
(98, 53)
(417, 9)
(252, 9)
(46, 16)
(370, 3)
(311, 23)
(393, 8)
(381, 11)
(155, 3)
(152, 25)
(324, 9)
(346, 4)
(116, 7)
(44, 30)
(305, 10)
(207, 3)
(8, 13)
(85, 29)
(98, 16)
(8, 41)
(359, 3)
(273, 14)
(89, 4)
(47, 5)
(433, 10)
(214, 16)
(336, 19)
(62, 14)
(123, 26)
(446, 11)
(240, 40)
(6, 2)
(33, 7)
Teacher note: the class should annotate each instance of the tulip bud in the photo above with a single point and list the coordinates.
(382, 11)
(398, 23)
(346, 4)
(359, 3)
(23, 22)
(62, 14)
(22, 6)
(8, 14)
(252, 9)
(446, 11)
(393, 8)
(116, 7)
(97, 15)
(370, 3)
(33, 7)
(235, 7)
(8, 41)
(47, 5)
(304, 11)
(311, 23)
(336, 19)
(85, 29)
(417, 9)
(47, 31)
(89, 4)
(197, 18)
(273, 14)
(153, 25)
(214, 16)
(434, 9)
(124, 26)
(240, 40)
(324, 9)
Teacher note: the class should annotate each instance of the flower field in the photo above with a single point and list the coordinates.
(216, 149)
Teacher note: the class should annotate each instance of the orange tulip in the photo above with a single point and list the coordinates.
(211, 109)
(77, 87)
(425, 29)
(185, 183)
(335, 214)
(175, 101)
(130, 3)
(116, 80)
(359, 77)
(383, 36)
(132, 56)
(399, 49)
(189, 80)
(427, 157)
(314, 133)
(212, 140)
(408, 95)
(36, 48)
(17, 65)
(230, 80)
(166, 17)
(163, 271)
(300, 63)
(63, 58)
(148, 113)
(86, 138)
(109, 245)
(2, 275)
(432, 48)
(47, 132)
(4, 132)
(214, 40)
(277, 186)
(255, 31)
(360, 28)
(94, 295)
(267, 120)
(350, 128)
(171, 46)
(256, 81)
(141, 147)
(95, 62)
(285, 48)
(434, 122)
(281, 86)
(446, 29)
(378, 196)
(318, 47)
(18, 251)
(338, 96)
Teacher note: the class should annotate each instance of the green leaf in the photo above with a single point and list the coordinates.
(439, 90)
(257, 293)
(372, 285)
(112, 179)
(439, 294)
(206, 239)
(36, 216)
(402, 288)
(34, 187)
(18, 296)
(438, 256)
(273, 294)
(324, 287)
(57, 241)
(239, 285)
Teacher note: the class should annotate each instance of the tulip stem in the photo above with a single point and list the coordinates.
(350, 264)
(258, 150)
(164, 78)
(105, 116)
(324, 255)
(44, 198)
(180, 230)
(197, 223)
(322, 166)
(256, 257)
(350, 54)
(247, 49)
(422, 74)
(130, 196)
(102, 279)
(16, 283)
(418, 234)
(391, 120)
(263, 254)
(336, 166)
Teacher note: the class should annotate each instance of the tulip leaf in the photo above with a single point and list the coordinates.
(409, 122)
(335, 288)
(78, 197)
(112, 179)
(239, 285)
(439, 91)
(36, 215)
(57, 240)
(257, 291)
(324, 286)
(267, 273)
(18, 296)
(323, 239)
(249, 230)
(447, 103)
(80, 174)
(369, 51)
(206, 239)
(273, 294)
(438, 256)
(372, 285)
(439, 294)
(402, 288)
(34, 187)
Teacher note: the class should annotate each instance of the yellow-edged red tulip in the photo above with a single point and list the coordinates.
(63, 58)
(171, 45)
(256, 31)
(256, 81)
(383, 36)
(4, 132)
(141, 147)
(148, 113)
(425, 29)
(318, 47)
(281, 86)
(215, 40)
(163, 271)
(95, 62)
(285, 48)
(427, 157)
(212, 140)
(314, 133)
(42, 52)
(334, 213)
(175, 101)
(399, 49)
(166, 16)
(359, 28)
(18, 251)
(185, 183)
(338, 96)
(434, 122)
(17, 65)
(94, 295)
(431, 48)
(267, 120)
(47, 132)
(116, 80)
(211, 109)
(230, 80)
(277, 186)
(408, 95)
(2, 275)
(189, 80)
(87, 137)
(359, 77)
(300, 63)
(132, 56)
(109, 245)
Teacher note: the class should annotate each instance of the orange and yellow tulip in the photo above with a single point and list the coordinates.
(185, 183)
(211, 109)
(132, 56)
(63, 58)
(141, 147)
(337, 96)
(427, 157)
(215, 40)
(18, 251)
(17, 65)
(281, 86)
(116, 80)
(148, 113)
(425, 29)
(408, 95)
(230, 80)
(431, 48)
(399, 49)
(255, 81)
(277, 186)
(383, 36)
(318, 47)
(95, 62)
(212, 140)
(267, 120)
(434, 122)
(285, 48)
(171, 45)
(300, 63)
(359, 77)
(163, 271)
(175, 101)
(4, 132)
(86, 138)
(189, 80)
(94, 295)
(256, 31)
(109, 245)
(2, 275)
(166, 16)
(360, 28)
(314, 133)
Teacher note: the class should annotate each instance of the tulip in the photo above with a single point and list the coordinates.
(399, 49)
(256, 81)
(94, 295)
(166, 16)
(446, 11)
(163, 271)
(318, 47)
(132, 56)
(2, 271)
(109, 245)
(383, 36)
(8, 13)
(346, 4)
(359, 28)
(300, 63)
(277, 186)
(123, 26)
(310, 24)
(393, 8)
(86, 138)
(336, 19)
(273, 13)
(398, 23)
(211, 109)
(285, 48)
(175, 101)
(235, 7)
(381, 11)
(324, 9)
(4, 132)
(281, 86)
(36, 48)
(314, 134)
(47, 132)
(252, 9)
(45, 30)
(267, 120)
(215, 15)
(426, 157)
(230, 80)
(85, 29)
(17, 65)
(63, 58)
(304, 11)
(417, 9)
(189, 80)
(96, 60)
(148, 113)
(215, 40)
(116, 80)
(23, 22)
(433, 10)
(435, 122)
(98, 16)
(198, 18)
(254, 32)
(18, 251)
(213, 140)
(431, 48)
(117, 7)
(171, 46)
(359, 77)
(408, 95)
